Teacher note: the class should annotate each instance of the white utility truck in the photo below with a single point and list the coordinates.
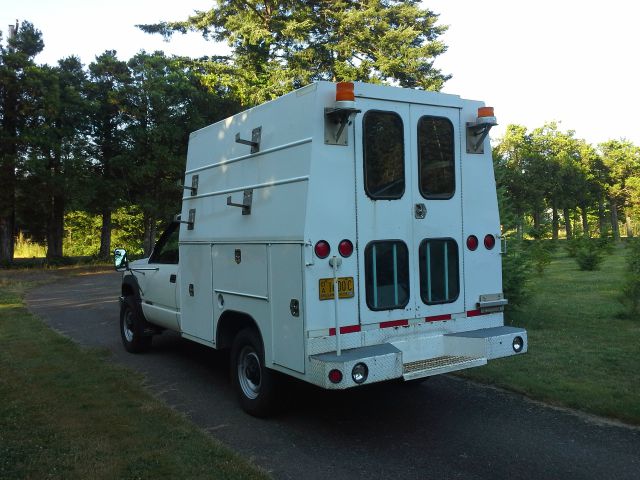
(343, 234)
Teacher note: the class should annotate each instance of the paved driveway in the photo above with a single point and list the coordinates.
(444, 428)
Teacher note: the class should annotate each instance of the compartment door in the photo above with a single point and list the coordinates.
(285, 281)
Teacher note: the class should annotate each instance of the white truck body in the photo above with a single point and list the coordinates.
(405, 176)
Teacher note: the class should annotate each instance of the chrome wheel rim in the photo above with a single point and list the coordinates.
(127, 326)
(249, 372)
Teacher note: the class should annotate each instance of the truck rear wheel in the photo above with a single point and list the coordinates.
(255, 384)
(132, 328)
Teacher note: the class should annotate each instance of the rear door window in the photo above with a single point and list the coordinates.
(439, 271)
(383, 137)
(436, 157)
(387, 274)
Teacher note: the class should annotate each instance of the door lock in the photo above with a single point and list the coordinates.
(420, 211)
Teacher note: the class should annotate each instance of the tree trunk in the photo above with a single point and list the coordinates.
(555, 222)
(601, 219)
(519, 226)
(585, 221)
(55, 230)
(614, 219)
(6, 239)
(536, 224)
(8, 161)
(627, 223)
(567, 223)
(149, 234)
(105, 235)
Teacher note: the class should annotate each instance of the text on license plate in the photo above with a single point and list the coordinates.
(345, 288)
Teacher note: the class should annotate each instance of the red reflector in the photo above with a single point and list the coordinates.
(335, 376)
(394, 323)
(472, 242)
(438, 318)
(322, 249)
(347, 329)
(345, 247)
(474, 313)
(489, 241)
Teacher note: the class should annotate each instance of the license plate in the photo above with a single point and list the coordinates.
(345, 288)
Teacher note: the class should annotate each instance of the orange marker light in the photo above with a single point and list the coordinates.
(485, 112)
(344, 92)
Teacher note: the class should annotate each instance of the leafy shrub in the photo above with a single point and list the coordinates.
(540, 255)
(630, 296)
(516, 271)
(572, 246)
(589, 254)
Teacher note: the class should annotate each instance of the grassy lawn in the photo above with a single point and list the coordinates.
(66, 413)
(582, 353)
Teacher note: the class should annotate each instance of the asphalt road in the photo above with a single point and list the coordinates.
(446, 428)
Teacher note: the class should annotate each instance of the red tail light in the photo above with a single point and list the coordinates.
(489, 241)
(322, 249)
(472, 242)
(335, 376)
(345, 247)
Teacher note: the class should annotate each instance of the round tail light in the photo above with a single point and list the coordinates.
(489, 241)
(472, 242)
(345, 247)
(335, 376)
(322, 249)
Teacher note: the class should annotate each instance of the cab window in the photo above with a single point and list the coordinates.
(436, 157)
(383, 148)
(166, 250)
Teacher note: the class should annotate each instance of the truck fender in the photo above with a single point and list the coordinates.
(230, 323)
(130, 287)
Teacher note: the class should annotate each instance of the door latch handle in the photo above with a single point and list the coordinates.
(172, 278)
(420, 211)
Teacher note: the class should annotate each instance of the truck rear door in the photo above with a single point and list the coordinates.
(409, 211)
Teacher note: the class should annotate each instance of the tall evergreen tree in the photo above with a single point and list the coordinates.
(110, 82)
(281, 45)
(57, 151)
(16, 59)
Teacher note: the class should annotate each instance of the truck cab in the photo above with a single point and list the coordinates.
(341, 234)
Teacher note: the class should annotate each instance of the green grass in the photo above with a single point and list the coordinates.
(67, 413)
(582, 353)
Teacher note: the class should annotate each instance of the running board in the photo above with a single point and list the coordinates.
(438, 365)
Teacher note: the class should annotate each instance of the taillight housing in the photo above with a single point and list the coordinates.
(345, 247)
(322, 249)
(472, 242)
(489, 241)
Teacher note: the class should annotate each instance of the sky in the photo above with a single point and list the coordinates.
(570, 61)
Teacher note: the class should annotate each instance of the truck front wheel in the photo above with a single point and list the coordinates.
(254, 383)
(132, 328)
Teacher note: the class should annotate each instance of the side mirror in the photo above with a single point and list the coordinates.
(120, 259)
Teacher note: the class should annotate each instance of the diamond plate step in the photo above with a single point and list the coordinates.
(438, 365)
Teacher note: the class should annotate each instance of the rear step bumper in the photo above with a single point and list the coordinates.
(419, 356)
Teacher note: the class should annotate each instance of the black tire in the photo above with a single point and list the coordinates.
(255, 384)
(132, 326)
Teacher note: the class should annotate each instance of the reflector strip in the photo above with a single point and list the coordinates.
(394, 323)
(474, 313)
(347, 329)
(438, 318)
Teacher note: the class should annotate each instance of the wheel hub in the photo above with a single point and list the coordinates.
(249, 372)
